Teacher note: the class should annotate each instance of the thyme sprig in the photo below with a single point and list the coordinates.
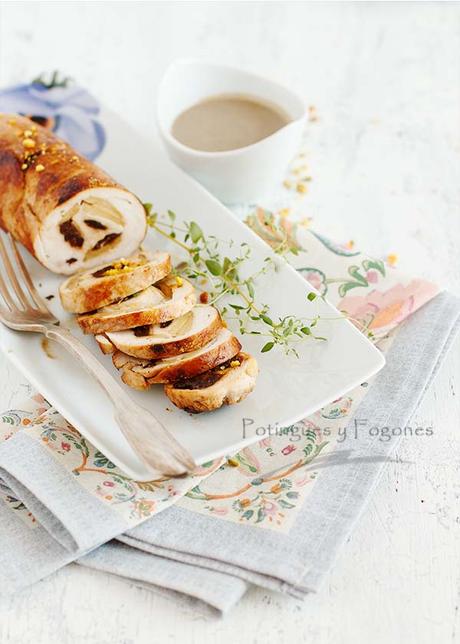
(223, 279)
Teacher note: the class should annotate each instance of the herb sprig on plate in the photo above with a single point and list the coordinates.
(222, 280)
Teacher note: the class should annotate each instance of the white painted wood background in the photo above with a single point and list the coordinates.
(385, 161)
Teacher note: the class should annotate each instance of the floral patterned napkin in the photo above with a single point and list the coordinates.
(377, 297)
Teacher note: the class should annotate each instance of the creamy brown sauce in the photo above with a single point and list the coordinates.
(227, 122)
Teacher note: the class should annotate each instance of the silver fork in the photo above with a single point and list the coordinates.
(24, 309)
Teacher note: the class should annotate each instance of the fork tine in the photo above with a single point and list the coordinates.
(17, 288)
(6, 295)
(37, 298)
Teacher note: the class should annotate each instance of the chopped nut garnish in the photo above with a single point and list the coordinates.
(121, 266)
(204, 297)
(28, 143)
(179, 281)
(232, 462)
(313, 116)
(28, 133)
(24, 166)
(301, 188)
(235, 363)
(39, 167)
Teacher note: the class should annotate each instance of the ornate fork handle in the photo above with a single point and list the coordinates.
(152, 442)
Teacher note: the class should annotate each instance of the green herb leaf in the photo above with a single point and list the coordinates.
(206, 259)
(267, 320)
(195, 232)
(213, 267)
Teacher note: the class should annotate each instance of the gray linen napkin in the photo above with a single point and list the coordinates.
(210, 592)
(296, 562)
(42, 531)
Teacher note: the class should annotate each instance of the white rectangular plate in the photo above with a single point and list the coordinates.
(288, 388)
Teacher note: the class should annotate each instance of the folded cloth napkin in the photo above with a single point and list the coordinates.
(212, 593)
(295, 560)
(235, 524)
(61, 499)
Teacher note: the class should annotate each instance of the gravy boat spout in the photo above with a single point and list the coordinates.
(234, 176)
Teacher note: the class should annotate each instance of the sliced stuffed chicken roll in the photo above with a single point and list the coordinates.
(140, 374)
(66, 211)
(186, 333)
(114, 281)
(227, 384)
(168, 299)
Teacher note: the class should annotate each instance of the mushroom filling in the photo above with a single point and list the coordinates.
(142, 331)
(166, 330)
(92, 225)
(208, 378)
(117, 268)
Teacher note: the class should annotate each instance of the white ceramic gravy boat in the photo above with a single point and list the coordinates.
(234, 176)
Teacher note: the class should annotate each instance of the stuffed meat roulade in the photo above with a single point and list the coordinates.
(65, 210)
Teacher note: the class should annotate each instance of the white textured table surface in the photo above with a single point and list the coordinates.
(385, 161)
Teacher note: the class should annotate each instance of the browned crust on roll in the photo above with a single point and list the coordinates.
(111, 288)
(175, 347)
(232, 387)
(92, 324)
(29, 196)
(207, 360)
(95, 323)
(104, 344)
(196, 341)
(141, 379)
